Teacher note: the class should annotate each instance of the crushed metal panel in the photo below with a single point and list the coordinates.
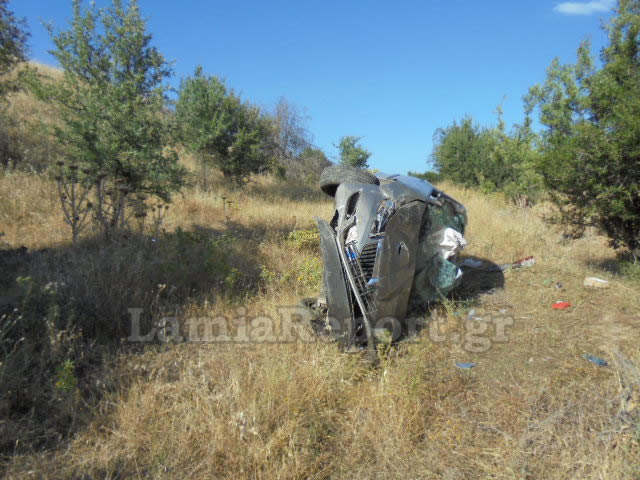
(396, 261)
(335, 287)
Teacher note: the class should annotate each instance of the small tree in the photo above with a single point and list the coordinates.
(221, 130)
(111, 106)
(591, 142)
(291, 134)
(461, 152)
(489, 158)
(74, 188)
(309, 164)
(13, 48)
(351, 153)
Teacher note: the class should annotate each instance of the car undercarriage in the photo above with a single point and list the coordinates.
(391, 246)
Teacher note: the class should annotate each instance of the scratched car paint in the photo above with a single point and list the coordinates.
(392, 245)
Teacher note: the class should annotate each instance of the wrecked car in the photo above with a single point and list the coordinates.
(391, 246)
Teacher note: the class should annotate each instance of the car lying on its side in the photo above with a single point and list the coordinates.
(391, 246)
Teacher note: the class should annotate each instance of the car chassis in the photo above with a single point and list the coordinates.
(391, 245)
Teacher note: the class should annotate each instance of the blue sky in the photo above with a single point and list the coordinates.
(391, 73)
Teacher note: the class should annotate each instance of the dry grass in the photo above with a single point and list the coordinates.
(30, 206)
(24, 142)
(531, 408)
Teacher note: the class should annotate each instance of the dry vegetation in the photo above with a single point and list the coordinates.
(80, 401)
(23, 140)
(531, 408)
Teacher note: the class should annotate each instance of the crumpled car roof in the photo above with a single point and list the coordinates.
(422, 189)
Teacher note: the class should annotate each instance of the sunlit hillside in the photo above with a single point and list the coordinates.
(91, 391)
(532, 407)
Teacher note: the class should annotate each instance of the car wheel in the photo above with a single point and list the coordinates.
(331, 177)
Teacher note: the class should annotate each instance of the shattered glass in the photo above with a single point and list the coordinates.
(436, 271)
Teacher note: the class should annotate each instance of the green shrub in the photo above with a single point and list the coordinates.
(309, 274)
(304, 239)
(489, 158)
(590, 159)
(631, 270)
(66, 380)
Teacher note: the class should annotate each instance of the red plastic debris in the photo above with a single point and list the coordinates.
(525, 262)
(560, 305)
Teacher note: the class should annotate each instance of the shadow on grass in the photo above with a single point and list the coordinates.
(607, 264)
(257, 231)
(621, 266)
(291, 190)
(485, 279)
(477, 281)
(64, 317)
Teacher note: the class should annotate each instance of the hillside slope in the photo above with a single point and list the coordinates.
(532, 407)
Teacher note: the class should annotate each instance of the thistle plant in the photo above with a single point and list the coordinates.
(140, 210)
(158, 215)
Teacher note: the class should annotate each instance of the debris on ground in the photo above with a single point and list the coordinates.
(525, 262)
(522, 263)
(560, 305)
(596, 360)
(465, 365)
(595, 282)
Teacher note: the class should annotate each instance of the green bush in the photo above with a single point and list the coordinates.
(631, 270)
(309, 274)
(66, 380)
(590, 158)
(352, 153)
(489, 158)
(222, 130)
(304, 239)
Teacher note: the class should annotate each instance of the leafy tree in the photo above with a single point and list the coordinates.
(429, 176)
(309, 164)
(489, 158)
(351, 153)
(111, 106)
(511, 163)
(221, 130)
(13, 47)
(591, 140)
(461, 152)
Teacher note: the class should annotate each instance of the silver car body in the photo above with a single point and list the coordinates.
(378, 246)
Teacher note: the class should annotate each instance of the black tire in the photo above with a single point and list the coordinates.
(331, 177)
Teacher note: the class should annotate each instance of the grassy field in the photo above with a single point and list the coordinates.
(80, 399)
(83, 402)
